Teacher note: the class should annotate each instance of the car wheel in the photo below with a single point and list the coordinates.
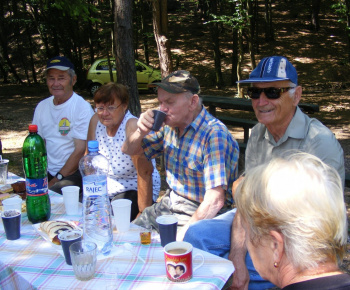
(93, 88)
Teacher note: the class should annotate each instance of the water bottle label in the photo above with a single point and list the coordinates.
(36, 187)
(95, 185)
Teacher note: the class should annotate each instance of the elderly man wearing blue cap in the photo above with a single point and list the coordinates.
(63, 121)
(275, 95)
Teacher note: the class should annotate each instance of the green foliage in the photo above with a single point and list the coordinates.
(341, 9)
(239, 19)
(72, 8)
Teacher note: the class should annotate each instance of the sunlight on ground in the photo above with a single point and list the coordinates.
(303, 59)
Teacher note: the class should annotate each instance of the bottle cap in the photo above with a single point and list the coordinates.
(93, 146)
(33, 128)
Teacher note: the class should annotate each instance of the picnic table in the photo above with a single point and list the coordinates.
(33, 262)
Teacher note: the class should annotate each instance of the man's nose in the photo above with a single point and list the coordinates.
(263, 100)
(163, 108)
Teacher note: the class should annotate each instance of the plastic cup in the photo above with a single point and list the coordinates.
(71, 199)
(83, 256)
(12, 203)
(3, 170)
(167, 228)
(122, 211)
(146, 234)
(159, 117)
(67, 238)
(11, 220)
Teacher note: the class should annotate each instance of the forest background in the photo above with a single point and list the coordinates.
(219, 41)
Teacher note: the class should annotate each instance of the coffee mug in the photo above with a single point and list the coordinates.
(178, 261)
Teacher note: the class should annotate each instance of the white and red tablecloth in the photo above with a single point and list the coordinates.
(34, 263)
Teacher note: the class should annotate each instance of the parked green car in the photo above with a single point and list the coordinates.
(98, 75)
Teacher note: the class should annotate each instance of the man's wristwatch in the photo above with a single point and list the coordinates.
(59, 176)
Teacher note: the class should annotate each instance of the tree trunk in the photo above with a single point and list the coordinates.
(30, 49)
(234, 77)
(269, 33)
(124, 52)
(239, 63)
(216, 46)
(347, 4)
(251, 27)
(315, 20)
(144, 31)
(160, 28)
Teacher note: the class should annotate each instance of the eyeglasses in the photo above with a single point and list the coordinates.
(271, 93)
(109, 109)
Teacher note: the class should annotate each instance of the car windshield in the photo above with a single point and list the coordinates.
(103, 65)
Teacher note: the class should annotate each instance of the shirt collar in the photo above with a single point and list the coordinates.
(197, 122)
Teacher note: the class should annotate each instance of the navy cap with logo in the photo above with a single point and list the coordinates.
(179, 81)
(60, 63)
(271, 69)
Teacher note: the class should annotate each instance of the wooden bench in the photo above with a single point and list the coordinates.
(242, 104)
(246, 124)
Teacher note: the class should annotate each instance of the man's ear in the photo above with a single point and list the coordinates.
(277, 245)
(74, 80)
(297, 95)
(194, 102)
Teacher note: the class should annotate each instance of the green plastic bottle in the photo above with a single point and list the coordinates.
(35, 170)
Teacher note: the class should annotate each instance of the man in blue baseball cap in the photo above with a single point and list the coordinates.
(63, 121)
(275, 95)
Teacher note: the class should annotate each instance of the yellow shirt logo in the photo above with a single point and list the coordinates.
(64, 126)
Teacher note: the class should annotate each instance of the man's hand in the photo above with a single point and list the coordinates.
(145, 122)
(52, 182)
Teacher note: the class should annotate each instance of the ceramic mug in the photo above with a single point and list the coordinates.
(178, 261)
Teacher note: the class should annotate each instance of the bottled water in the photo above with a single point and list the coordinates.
(96, 206)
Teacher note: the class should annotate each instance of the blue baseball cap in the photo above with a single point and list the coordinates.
(60, 63)
(272, 69)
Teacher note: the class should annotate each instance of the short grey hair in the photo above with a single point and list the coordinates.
(302, 198)
(292, 91)
(189, 94)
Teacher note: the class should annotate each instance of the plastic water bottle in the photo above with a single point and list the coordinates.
(97, 218)
(35, 170)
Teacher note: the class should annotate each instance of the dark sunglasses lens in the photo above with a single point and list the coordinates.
(272, 93)
(254, 93)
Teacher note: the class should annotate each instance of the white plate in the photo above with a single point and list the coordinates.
(47, 238)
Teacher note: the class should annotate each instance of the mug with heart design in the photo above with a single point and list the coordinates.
(178, 261)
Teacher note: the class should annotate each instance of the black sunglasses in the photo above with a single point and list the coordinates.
(271, 93)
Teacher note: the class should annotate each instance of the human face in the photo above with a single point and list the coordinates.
(60, 84)
(112, 114)
(275, 112)
(261, 254)
(177, 107)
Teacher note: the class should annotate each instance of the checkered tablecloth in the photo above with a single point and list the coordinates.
(33, 263)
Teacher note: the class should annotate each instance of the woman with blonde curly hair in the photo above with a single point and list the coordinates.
(294, 217)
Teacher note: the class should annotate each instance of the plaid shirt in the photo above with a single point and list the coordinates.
(204, 157)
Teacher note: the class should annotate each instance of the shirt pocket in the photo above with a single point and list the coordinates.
(192, 166)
